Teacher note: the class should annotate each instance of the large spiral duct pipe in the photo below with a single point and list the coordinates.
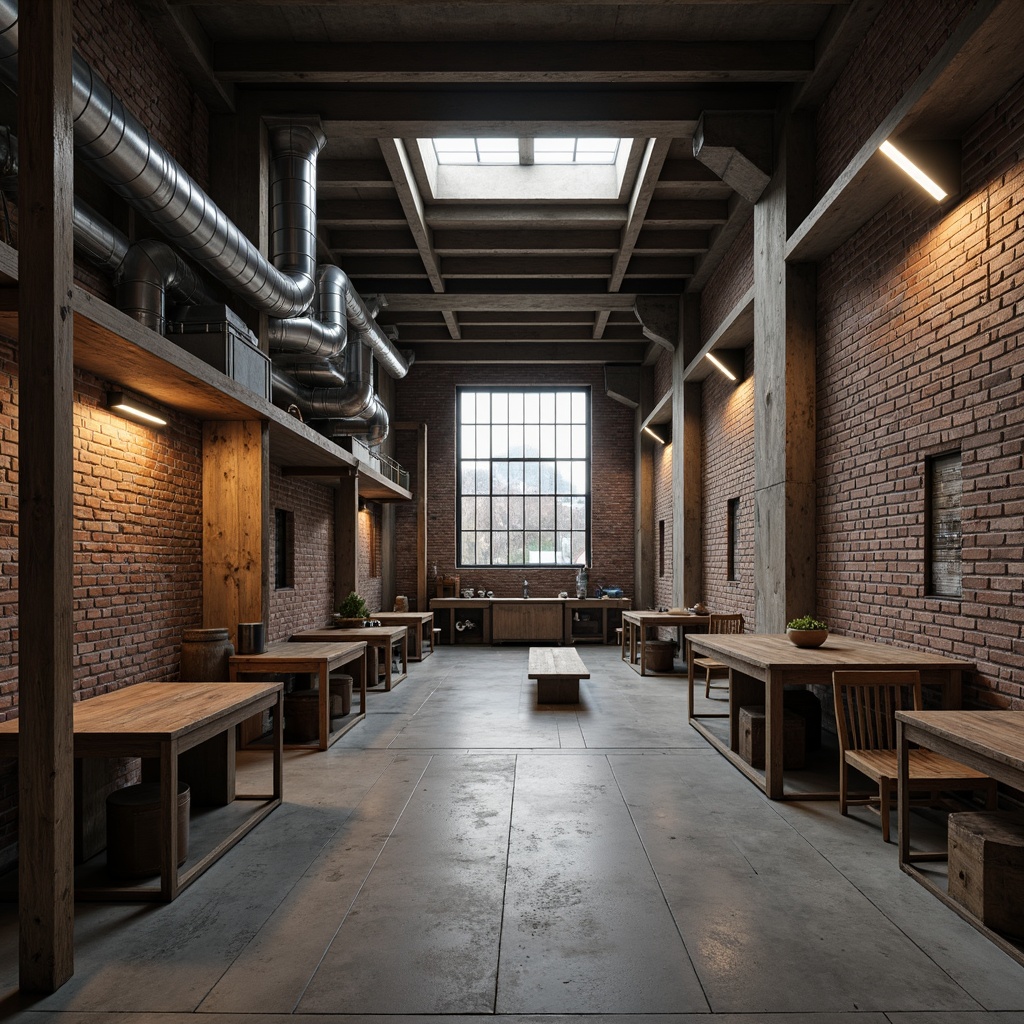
(120, 150)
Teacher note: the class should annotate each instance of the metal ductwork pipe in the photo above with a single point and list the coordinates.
(150, 269)
(327, 335)
(121, 151)
(352, 398)
(371, 429)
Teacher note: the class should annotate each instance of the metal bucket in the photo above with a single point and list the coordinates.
(252, 638)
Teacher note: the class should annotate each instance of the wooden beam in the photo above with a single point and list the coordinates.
(650, 112)
(545, 62)
(511, 301)
(650, 169)
(346, 538)
(45, 501)
(738, 148)
(412, 4)
(687, 470)
(659, 319)
(461, 352)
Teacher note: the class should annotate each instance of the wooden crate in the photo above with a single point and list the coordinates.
(986, 867)
(752, 722)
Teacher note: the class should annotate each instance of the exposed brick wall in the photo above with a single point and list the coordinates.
(662, 375)
(137, 550)
(427, 395)
(405, 522)
(727, 461)
(369, 575)
(731, 280)
(310, 602)
(903, 38)
(920, 350)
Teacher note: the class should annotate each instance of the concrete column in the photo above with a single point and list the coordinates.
(784, 394)
(687, 467)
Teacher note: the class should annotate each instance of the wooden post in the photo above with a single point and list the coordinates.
(784, 397)
(236, 575)
(346, 537)
(687, 476)
(45, 499)
(422, 597)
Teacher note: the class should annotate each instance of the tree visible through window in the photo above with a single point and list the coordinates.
(523, 483)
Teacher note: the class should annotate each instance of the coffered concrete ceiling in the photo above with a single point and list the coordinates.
(500, 279)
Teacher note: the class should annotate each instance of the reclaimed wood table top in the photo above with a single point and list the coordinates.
(997, 735)
(402, 617)
(335, 634)
(665, 618)
(555, 661)
(776, 650)
(160, 711)
(285, 656)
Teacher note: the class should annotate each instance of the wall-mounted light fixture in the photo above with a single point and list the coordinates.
(133, 409)
(905, 164)
(728, 362)
(654, 433)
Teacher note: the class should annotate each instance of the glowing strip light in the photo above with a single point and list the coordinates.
(133, 410)
(660, 440)
(910, 168)
(721, 366)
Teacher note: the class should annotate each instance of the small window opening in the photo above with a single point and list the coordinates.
(944, 531)
(284, 549)
(732, 571)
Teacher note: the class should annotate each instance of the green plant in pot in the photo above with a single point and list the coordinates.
(807, 631)
(351, 612)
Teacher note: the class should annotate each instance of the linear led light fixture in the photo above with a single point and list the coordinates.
(910, 168)
(131, 409)
(721, 366)
(657, 437)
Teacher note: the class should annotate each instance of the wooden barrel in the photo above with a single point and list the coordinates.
(341, 695)
(133, 829)
(301, 716)
(204, 655)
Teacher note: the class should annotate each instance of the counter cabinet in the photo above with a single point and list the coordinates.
(558, 620)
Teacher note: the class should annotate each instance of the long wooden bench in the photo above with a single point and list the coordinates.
(558, 671)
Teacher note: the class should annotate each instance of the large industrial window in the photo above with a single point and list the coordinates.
(523, 484)
(944, 536)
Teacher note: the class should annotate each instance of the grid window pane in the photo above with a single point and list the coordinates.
(524, 465)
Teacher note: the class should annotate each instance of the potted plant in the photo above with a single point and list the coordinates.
(807, 631)
(351, 612)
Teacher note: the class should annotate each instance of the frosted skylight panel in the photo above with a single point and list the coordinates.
(565, 151)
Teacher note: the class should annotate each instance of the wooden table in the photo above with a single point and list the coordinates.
(160, 721)
(318, 660)
(380, 641)
(761, 665)
(634, 632)
(420, 625)
(988, 741)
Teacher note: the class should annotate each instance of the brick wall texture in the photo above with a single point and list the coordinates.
(662, 530)
(919, 352)
(428, 396)
(137, 550)
(727, 458)
(310, 601)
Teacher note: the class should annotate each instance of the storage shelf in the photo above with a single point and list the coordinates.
(111, 345)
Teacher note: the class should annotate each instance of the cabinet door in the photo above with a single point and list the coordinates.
(527, 622)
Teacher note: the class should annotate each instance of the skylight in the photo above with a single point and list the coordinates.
(509, 151)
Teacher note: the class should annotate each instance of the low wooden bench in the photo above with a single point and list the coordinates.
(558, 671)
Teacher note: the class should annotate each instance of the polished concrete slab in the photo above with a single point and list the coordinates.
(466, 852)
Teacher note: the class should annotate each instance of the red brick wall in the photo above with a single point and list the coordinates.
(370, 567)
(727, 460)
(901, 41)
(137, 544)
(920, 350)
(310, 602)
(427, 395)
(729, 283)
(662, 375)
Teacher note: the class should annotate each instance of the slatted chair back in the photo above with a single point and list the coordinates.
(726, 624)
(866, 704)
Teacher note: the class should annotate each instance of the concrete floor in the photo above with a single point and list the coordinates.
(463, 852)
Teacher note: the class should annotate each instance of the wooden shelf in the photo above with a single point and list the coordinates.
(114, 347)
(977, 65)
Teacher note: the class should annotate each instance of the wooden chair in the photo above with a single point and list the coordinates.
(866, 704)
(718, 624)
